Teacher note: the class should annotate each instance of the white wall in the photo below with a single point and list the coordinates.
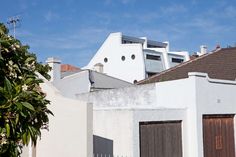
(70, 129)
(72, 84)
(128, 97)
(213, 97)
(116, 125)
(129, 69)
(185, 99)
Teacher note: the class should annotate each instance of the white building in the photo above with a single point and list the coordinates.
(70, 83)
(70, 129)
(191, 117)
(191, 114)
(133, 59)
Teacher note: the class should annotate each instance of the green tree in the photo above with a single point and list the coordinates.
(23, 107)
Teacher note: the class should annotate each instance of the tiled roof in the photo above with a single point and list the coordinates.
(220, 64)
(68, 67)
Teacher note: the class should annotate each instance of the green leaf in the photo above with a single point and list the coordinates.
(28, 105)
(7, 126)
(8, 86)
(24, 138)
(29, 59)
(17, 118)
(19, 106)
(1, 53)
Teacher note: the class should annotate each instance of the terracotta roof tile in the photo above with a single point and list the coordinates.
(68, 67)
(220, 64)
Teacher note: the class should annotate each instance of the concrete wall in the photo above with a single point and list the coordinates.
(76, 83)
(213, 97)
(70, 129)
(185, 99)
(128, 97)
(115, 125)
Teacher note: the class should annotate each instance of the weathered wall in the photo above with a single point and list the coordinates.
(128, 97)
(186, 99)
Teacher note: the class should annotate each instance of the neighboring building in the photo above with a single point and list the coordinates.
(180, 112)
(74, 81)
(191, 117)
(70, 127)
(133, 59)
(220, 64)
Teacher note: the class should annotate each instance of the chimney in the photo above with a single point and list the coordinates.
(167, 46)
(55, 64)
(98, 67)
(203, 50)
(217, 46)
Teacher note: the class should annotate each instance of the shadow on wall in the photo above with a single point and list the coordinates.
(102, 146)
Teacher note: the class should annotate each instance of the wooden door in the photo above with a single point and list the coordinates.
(160, 139)
(218, 136)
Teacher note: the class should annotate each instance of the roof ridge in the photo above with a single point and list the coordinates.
(180, 65)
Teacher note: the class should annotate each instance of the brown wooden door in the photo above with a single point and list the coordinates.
(218, 136)
(160, 139)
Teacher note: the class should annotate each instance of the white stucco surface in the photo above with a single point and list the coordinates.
(130, 69)
(186, 100)
(72, 84)
(70, 129)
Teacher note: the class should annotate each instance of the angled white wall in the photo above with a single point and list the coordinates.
(112, 49)
(126, 61)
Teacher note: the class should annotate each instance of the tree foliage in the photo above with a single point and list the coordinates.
(23, 107)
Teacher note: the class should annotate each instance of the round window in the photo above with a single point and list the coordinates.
(123, 58)
(105, 60)
(133, 56)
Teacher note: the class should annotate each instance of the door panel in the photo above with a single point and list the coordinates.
(160, 139)
(218, 136)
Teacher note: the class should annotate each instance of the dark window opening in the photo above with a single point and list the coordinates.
(133, 56)
(127, 42)
(105, 60)
(123, 58)
(177, 60)
(153, 57)
(149, 74)
(153, 46)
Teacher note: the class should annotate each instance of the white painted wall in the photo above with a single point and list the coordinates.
(70, 129)
(72, 84)
(129, 69)
(213, 97)
(112, 49)
(186, 99)
(116, 125)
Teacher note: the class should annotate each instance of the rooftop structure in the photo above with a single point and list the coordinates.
(219, 64)
(133, 59)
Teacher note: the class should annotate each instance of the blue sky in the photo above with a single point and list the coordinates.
(73, 30)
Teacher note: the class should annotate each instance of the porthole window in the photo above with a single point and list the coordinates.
(133, 56)
(123, 58)
(105, 59)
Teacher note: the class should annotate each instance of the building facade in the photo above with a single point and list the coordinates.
(193, 117)
(133, 59)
